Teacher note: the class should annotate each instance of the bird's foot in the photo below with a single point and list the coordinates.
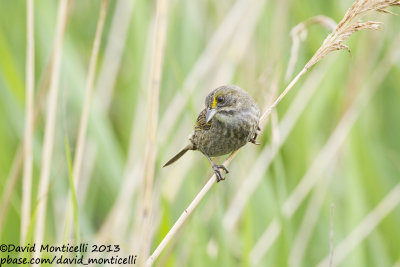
(217, 172)
(254, 141)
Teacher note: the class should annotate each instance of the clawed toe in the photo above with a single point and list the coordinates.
(223, 167)
(219, 176)
(217, 172)
(254, 142)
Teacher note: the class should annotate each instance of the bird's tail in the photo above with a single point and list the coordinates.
(180, 154)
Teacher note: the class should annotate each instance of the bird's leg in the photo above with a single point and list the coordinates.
(216, 169)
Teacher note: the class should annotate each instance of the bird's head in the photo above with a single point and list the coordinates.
(226, 101)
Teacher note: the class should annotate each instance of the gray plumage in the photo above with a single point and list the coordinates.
(229, 121)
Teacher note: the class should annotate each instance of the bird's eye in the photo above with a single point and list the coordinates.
(220, 99)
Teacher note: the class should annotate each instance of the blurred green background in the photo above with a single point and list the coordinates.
(338, 127)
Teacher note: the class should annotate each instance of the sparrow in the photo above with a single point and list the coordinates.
(229, 121)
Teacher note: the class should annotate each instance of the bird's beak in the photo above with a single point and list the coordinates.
(210, 114)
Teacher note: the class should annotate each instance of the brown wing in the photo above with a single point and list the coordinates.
(201, 121)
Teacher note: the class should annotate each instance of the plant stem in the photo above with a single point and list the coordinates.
(50, 123)
(156, 63)
(29, 111)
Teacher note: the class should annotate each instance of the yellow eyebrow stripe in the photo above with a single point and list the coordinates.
(214, 103)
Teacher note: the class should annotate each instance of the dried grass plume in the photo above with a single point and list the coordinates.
(349, 25)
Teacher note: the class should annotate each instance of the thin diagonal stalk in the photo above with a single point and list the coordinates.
(50, 123)
(247, 15)
(265, 242)
(331, 148)
(80, 144)
(331, 235)
(10, 186)
(105, 84)
(243, 195)
(309, 221)
(299, 33)
(263, 161)
(365, 227)
(108, 73)
(209, 57)
(238, 47)
(114, 50)
(324, 158)
(212, 180)
(185, 215)
(333, 42)
(156, 63)
(17, 164)
(138, 121)
(29, 112)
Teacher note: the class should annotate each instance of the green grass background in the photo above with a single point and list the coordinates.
(364, 171)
